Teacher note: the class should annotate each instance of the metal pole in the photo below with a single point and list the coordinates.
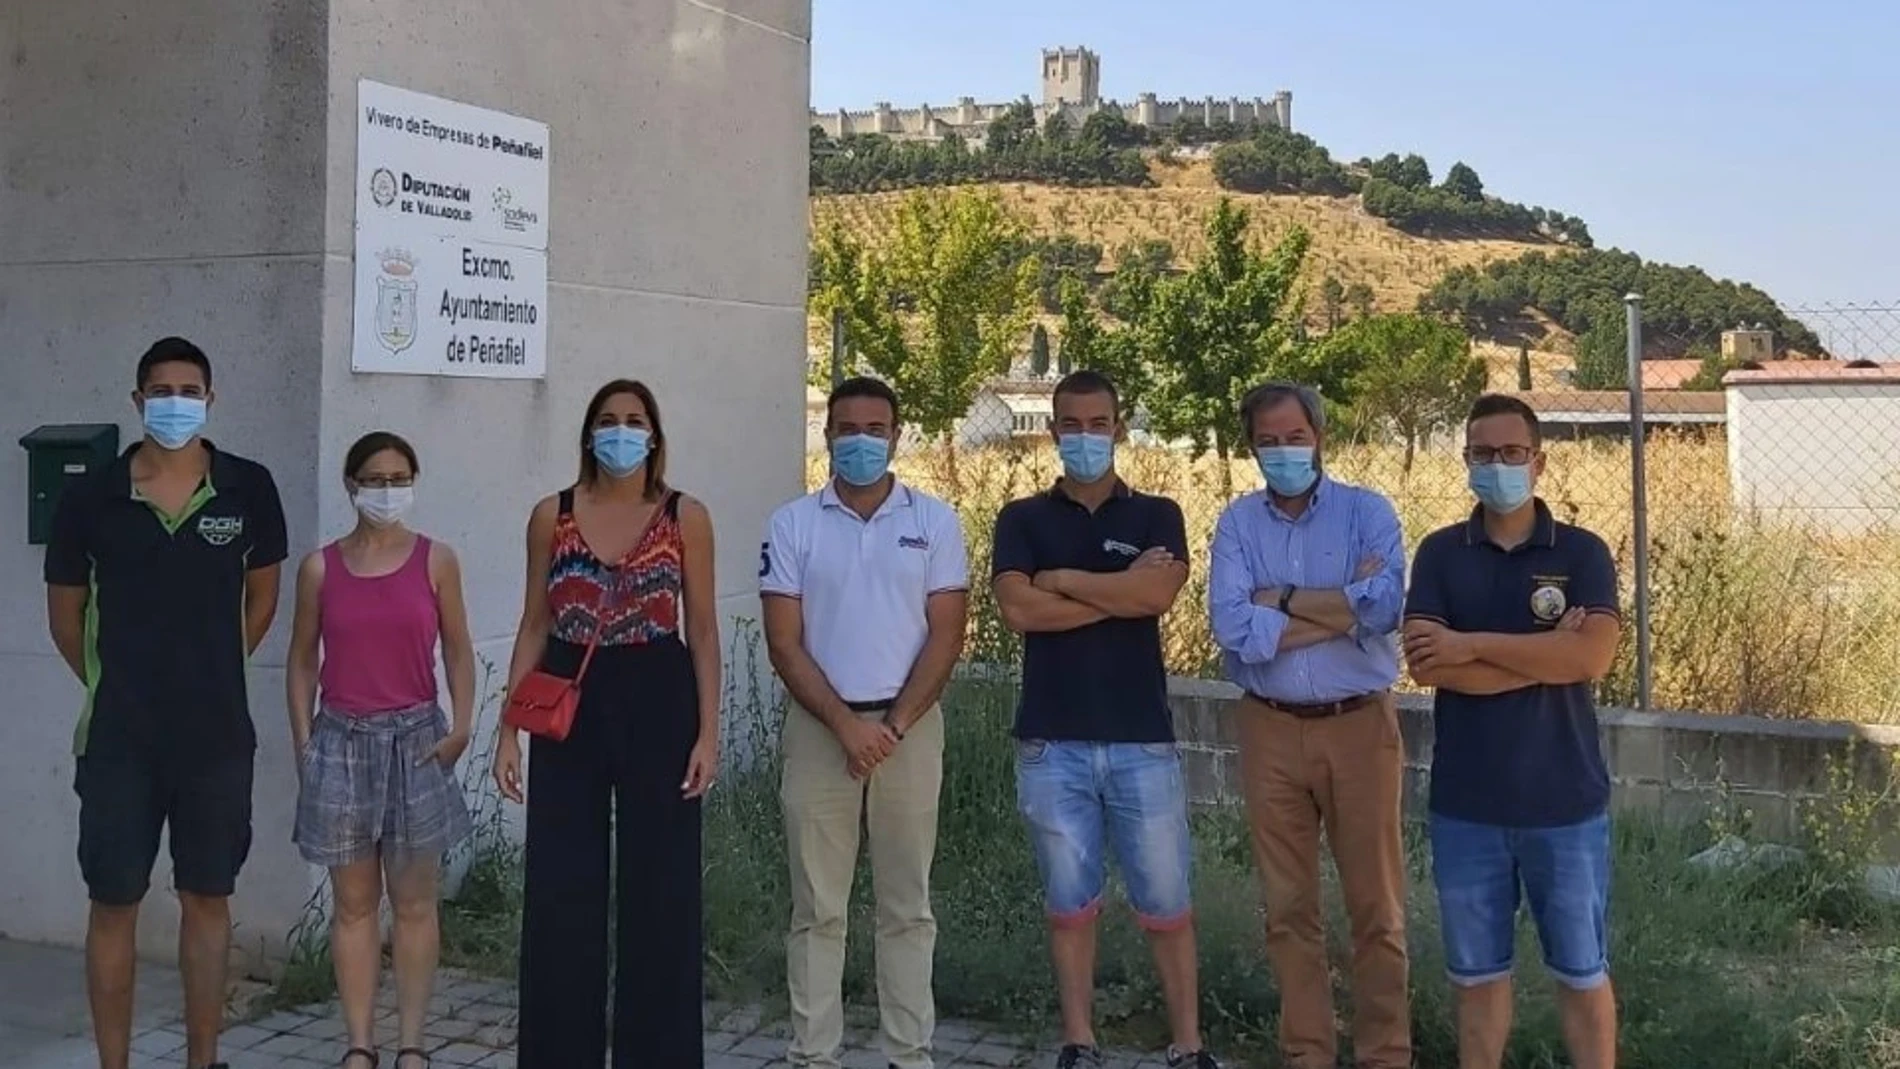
(837, 347)
(1639, 495)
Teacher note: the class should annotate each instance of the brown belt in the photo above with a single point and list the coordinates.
(1320, 710)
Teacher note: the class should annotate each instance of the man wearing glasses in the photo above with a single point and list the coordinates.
(1511, 617)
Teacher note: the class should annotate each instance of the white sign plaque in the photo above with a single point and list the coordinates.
(451, 238)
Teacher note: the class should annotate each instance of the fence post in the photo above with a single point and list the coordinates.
(837, 347)
(1639, 494)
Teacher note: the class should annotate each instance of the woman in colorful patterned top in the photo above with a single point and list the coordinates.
(623, 563)
(378, 803)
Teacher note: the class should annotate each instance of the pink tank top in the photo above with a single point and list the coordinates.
(379, 636)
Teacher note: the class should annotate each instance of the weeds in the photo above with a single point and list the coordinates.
(1714, 969)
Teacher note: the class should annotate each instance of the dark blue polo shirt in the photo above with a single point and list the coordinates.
(1528, 757)
(1105, 682)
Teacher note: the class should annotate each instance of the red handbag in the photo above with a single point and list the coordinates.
(544, 704)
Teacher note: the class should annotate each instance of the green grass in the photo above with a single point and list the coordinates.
(1717, 970)
(1793, 969)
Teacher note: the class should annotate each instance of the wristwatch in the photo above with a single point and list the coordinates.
(1286, 600)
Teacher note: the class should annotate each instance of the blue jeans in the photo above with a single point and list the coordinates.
(1080, 798)
(1564, 873)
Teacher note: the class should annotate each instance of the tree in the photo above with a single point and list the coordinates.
(1012, 129)
(1217, 331)
(1708, 377)
(944, 304)
(1244, 168)
(846, 278)
(1110, 128)
(1410, 375)
(1055, 129)
(1039, 352)
(1359, 299)
(1523, 367)
(1138, 265)
(1603, 357)
(1087, 344)
(1332, 302)
(1463, 182)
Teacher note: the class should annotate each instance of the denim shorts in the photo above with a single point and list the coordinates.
(1564, 873)
(1081, 798)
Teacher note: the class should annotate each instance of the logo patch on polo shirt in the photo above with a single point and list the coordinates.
(220, 530)
(1109, 545)
(912, 542)
(1547, 599)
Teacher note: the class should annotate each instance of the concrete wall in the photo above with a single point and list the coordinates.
(1823, 450)
(1675, 765)
(148, 192)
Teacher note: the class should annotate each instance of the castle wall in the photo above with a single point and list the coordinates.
(932, 122)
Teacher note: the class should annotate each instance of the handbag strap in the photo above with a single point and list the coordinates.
(600, 605)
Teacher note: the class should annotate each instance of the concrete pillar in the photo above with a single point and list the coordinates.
(149, 192)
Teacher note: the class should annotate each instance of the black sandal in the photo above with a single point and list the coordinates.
(353, 1053)
(413, 1052)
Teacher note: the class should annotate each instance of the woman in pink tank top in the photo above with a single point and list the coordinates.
(378, 803)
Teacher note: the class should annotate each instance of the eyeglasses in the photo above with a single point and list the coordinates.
(1504, 454)
(383, 482)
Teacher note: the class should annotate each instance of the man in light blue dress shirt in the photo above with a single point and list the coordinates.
(1305, 592)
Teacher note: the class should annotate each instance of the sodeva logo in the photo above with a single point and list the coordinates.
(513, 218)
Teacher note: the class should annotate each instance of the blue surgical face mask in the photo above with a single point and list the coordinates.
(1501, 487)
(1288, 469)
(621, 450)
(860, 459)
(173, 421)
(1086, 457)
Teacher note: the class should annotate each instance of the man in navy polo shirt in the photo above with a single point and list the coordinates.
(1084, 572)
(1511, 617)
(161, 579)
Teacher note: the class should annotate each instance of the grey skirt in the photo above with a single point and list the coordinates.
(370, 786)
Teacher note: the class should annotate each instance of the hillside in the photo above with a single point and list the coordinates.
(1348, 244)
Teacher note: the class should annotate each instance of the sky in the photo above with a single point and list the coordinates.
(1759, 141)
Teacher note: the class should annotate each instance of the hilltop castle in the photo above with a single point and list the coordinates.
(1071, 87)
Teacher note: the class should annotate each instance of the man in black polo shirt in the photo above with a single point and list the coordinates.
(1511, 617)
(161, 578)
(1085, 572)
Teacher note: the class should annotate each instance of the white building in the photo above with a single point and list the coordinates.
(1816, 443)
(151, 192)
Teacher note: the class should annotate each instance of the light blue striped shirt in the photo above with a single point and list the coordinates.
(1259, 547)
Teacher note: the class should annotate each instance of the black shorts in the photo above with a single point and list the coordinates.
(124, 803)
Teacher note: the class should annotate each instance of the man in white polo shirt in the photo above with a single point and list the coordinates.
(865, 589)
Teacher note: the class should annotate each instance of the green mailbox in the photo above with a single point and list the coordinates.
(57, 454)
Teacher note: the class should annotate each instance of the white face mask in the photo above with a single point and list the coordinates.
(385, 505)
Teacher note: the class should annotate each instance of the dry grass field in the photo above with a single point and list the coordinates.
(1746, 617)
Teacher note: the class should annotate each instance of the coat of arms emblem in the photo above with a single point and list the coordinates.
(396, 301)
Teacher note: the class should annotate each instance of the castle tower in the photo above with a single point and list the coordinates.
(1072, 76)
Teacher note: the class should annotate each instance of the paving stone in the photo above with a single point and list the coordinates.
(158, 1043)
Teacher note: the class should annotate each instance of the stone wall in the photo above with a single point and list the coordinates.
(970, 120)
(1672, 764)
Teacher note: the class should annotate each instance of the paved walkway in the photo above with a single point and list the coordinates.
(44, 1025)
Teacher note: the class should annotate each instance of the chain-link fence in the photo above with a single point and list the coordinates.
(1756, 518)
